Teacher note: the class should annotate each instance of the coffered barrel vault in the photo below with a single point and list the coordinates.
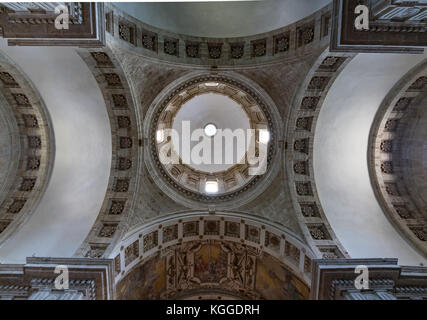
(28, 148)
(60, 221)
(397, 158)
(344, 185)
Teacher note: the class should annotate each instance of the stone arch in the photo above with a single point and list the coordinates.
(389, 160)
(32, 148)
(298, 160)
(126, 153)
(286, 43)
(164, 236)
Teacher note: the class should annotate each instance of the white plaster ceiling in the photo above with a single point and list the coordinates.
(222, 19)
(82, 164)
(221, 111)
(340, 157)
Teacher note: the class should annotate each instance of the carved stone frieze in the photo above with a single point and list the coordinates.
(335, 279)
(393, 26)
(88, 279)
(33, 23)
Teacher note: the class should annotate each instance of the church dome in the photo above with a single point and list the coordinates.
(212, 138)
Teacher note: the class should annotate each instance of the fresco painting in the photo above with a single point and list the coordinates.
(210, 263)
(274, 281)
(147, 281)
(207, 266)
